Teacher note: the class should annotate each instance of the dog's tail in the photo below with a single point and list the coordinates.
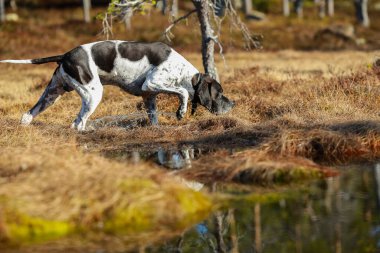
(56, 58)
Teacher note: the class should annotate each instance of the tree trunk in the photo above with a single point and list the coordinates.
(86, 10)
(361, 8)
(2, 11)
(174, 9)
(321, 8)
(208, 42)
(13, 5)
(285, 8)
(298, 8)
(128, 19)
(365, 13)
(330, 7)
(164, 7)
(247, 7)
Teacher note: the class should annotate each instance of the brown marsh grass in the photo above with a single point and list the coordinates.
(295, 110)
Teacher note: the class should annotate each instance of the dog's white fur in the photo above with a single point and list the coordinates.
(172, 76)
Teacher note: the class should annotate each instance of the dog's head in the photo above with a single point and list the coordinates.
(209, 93)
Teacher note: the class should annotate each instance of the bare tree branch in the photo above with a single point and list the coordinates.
(205, 10)
(236, 21)
(166, 34)
(130, 4)
(107, 26)
(218, 21)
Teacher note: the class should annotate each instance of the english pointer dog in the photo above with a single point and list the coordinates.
(142, 69)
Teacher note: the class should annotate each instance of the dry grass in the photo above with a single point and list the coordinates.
(52, 189)
(290, 106)
(253, 167)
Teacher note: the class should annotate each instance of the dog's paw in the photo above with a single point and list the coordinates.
(26, 119)
(180, 114)
(80, 127)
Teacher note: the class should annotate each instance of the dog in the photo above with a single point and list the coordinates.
(141, 69)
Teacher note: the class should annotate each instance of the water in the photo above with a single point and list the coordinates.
(338, 214)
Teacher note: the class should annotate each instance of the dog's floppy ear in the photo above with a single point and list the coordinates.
(203, 93)
(215, 90)
(196, 79)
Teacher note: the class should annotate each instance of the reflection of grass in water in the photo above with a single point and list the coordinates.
(21, 228)
(56, 192)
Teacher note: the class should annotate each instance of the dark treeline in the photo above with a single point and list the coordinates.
(55, 3)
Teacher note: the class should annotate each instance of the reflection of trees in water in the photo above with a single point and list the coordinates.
(335, 215)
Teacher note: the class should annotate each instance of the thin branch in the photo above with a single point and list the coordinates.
(218, 22)
(166, 34)
(236, 21)
(107, 26)
(130, 3)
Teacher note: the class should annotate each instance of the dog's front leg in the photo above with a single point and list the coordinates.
(183, 96)
(151, 108)
(152, 86)
(91, 95)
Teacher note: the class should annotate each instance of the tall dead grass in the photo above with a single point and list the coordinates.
(291, 106)
(254, 167)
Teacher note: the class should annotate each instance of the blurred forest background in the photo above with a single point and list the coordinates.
(283, 24)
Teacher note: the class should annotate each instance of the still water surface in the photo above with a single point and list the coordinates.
(340, 214)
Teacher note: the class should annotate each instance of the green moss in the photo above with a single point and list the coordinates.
(295, 174)
(133, 219)
(21, 228)
(194, 205)
(145, 207)
(261, 198)
(150, 209)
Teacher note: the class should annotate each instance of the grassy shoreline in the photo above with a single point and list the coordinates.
(296, 114)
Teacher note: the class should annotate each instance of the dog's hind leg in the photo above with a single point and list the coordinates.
(151, 108)
(51, 94)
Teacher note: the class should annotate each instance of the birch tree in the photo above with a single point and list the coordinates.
(174, 9)
(361, 10)
(285, 8)
(321, 5)
(247, 7)
(2, 11)
(208, 21)
(298, 7)
(13, 5)
(86, 10)
(330, 8)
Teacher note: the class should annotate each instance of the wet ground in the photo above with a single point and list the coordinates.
(335, 214)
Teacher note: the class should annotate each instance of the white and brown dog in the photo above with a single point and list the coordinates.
(142, 69)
